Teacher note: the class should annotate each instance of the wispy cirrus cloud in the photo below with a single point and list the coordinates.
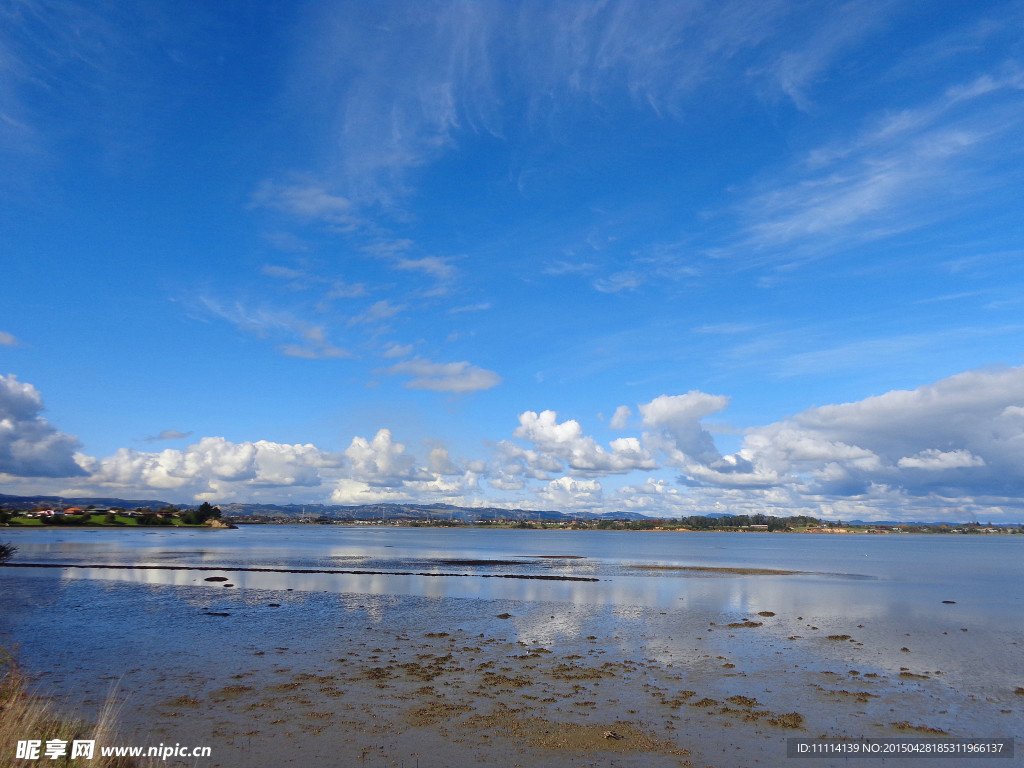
(55, 52)
(302, 339)
(904, 169)
(376, 313)
(460, 377)
(481, 307)
(797, 68)
(167, 434)
(437, 267)
(398, 86)
(304, 279)
(308, 200)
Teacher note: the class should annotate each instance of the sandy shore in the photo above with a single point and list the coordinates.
(271, 678)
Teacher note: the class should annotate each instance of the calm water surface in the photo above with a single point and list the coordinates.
(911, 574)
(956, 602)
(917, 582)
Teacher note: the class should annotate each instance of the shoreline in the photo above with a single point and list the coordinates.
(382, 679)
(1008, 529)
(721, 648)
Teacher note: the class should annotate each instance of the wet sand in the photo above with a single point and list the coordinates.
(281, 677)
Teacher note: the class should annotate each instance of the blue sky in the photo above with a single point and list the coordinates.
(670, 257)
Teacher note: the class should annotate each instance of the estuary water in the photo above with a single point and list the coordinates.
(935, 623)
(903, 575)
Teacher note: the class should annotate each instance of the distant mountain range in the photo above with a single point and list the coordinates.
(29, 502)
(332, 511)
(384, 512)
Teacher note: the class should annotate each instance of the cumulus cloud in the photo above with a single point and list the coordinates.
(213, 468)
(7, 339)
(956, 443)
(935, 460)
(961, 436)
(371, 470)
(381, 461)
(444, 377)
(380, 470)
(29, 445)
(948, 450)
(436, 489)
(570, 493)
(349, 491)
(678, 420)
(557, 443)
(440, 463)
(214, 465)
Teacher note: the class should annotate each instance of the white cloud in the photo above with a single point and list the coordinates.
(307, 200)
(481, 307)
(935, 460)
(437, 267)
(287, 242)
(443, 377)
(7, 339)
(310, 341)
(621, 417)
(29, 445)
(440, 463)
(678, 419)
(570, 493)
(962, 436)
(348, 491)
(214, 466)
(314, 353)
(401, 88)
(438, 490)
(958, 441)
(948, 450)
(314, 346)
(900, 171)
(397, 350)
(380, 470)
(377, 312)
(619, 281)
(564, 443)
(797, 69)
(283, 273)
(381, 461)
(168, 434)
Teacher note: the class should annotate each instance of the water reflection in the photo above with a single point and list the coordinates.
(906, 576)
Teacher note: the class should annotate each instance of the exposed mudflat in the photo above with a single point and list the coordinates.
(390, 648)
(271, 678)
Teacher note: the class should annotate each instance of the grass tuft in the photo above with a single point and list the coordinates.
(25, 716)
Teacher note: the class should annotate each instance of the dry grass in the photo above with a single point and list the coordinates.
(24, 716)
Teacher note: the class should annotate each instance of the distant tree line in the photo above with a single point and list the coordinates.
(205, 511)
(708, 523)
(143, 516)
